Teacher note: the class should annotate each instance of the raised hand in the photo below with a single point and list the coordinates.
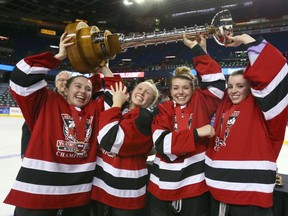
(119, 94)
(239, 39)
(189, 43)
(64, 43)
(198, 39)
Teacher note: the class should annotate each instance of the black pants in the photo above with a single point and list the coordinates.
(100, 209)
(75, 211)
(196, 206)
(237, 210)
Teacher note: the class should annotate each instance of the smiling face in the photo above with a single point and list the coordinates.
(79, 91)
(181, 90)
(142, 95)
(238, 88)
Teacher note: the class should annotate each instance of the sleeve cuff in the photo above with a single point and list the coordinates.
(255, 43)
(198, 51)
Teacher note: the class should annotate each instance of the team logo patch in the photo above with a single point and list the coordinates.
(221, 141)
(71, 147)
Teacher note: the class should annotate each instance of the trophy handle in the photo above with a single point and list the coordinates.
(93, 48)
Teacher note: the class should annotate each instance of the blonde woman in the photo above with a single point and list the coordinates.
(125, 140)
(180, 133)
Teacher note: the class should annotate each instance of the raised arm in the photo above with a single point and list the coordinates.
(209, 73)
(28, 80)
(267, 72)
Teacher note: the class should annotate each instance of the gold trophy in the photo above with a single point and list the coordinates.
(93, 47)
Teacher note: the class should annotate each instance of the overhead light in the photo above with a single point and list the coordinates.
(131, 2)
(170, 57)
(127, 2)
(126, 60)
(139, 1)
(102, 22)
(3, 38)
(47, 32)
(249, 3)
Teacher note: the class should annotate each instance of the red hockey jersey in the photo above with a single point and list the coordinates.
(57, 170)
(178, 168)
(121, 171)
(241, 164)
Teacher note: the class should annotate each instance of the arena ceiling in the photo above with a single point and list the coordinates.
(116, 17)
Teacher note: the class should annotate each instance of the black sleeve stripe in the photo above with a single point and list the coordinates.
(198, 51)
(144, 121)
(108, 98)
(159, 142)
(109, 138)
(24, 80)
(219, 84)
(274, 97)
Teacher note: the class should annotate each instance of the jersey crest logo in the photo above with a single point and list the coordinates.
(71, 147)
(221, 141)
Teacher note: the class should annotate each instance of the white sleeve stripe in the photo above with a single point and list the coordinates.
(104, 130)
(157, 133)
(106, 106)
(272, 85)
(27, 69)
(110, 91)
(118, 141)
(28, 90)
(167, 145)
(212, 77)
(270, 114)
(215, 91)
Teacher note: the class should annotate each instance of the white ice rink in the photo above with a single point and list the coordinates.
(10, 136)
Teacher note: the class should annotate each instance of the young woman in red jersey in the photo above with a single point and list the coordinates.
(57, 170)
(180, 132)
(250, 127)
(125, 140)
